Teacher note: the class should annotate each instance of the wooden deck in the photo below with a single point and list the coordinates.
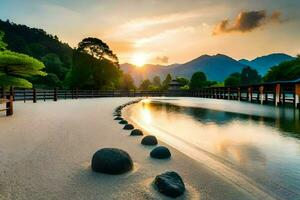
(279, 93)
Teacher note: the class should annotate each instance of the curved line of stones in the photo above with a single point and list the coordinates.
(136, 132)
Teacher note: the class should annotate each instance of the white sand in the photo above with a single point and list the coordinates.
(46, 148)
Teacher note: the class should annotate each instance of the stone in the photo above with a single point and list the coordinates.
(160, 152)
(128, 127)
(123, 122)
(111, 161)
(170, 184)
(149, 140)
(118, 118)
(136, 132)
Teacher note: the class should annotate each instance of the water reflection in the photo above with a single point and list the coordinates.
(258, 141)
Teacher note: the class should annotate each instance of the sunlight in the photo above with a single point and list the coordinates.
(139, 59)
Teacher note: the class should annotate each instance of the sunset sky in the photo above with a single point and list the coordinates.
(167, 31)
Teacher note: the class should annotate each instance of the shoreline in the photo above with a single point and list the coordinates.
(46, 149)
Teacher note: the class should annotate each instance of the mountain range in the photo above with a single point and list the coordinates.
(216, 67)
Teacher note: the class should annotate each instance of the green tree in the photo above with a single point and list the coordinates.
(54, 65)
(183, 81)
(157, 81)
(250, 76)
(198, 80)
(97, 48)
(166, 82)
(145, 84)
(234, 79)
(16, 68)
(127, 82)
(285, 71)
(3, 45)
(89, 72)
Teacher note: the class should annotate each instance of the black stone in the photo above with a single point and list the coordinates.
(149, 140)
(118, 118)
(136, 132)
(170, 184)
(160, 152)
(128, 127)
(123, 122)
(111, 161)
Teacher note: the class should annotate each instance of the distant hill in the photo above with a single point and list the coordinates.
(264, 63)
(216, 67)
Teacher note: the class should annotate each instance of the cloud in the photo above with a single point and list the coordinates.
(163, 59)
(247, 21)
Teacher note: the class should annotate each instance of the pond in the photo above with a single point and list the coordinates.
(252, 145)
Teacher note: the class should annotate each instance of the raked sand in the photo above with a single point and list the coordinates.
(46, 148)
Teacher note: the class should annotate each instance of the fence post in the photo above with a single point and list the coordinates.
(297, 95)
(239, 94)
(9, 105)
(55, 94)
(277, 94)
(76, 93)
(11, 92)
(34, 95)
(2, 92)
(249, 94)
(228, 91)
(261, 94)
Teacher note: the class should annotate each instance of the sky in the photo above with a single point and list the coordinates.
(167, 31)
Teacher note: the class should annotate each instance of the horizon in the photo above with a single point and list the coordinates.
(139, 35)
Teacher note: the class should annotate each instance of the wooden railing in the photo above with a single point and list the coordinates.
(8, 102)
(276, 93)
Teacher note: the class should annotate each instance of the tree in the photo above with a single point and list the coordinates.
(198, 80)
(249, 76)
(183, 81)
(145, 84)
(234, 79)
(166, 82)
(285, 71)
(16, 68)
(3, 45)
(54, 65)
(157, 81)
(89, 72)
(127, 82)
(97, 48)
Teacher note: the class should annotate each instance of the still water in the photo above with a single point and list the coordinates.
(255, 146)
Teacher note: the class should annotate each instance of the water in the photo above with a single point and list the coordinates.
(254, 146)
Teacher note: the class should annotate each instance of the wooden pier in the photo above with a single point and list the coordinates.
(279, 93)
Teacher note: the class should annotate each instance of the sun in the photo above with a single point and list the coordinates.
(139, 59)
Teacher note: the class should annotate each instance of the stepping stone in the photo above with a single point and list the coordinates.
(136, 132)
(160, 152)
(149, 140)
(111, 161)
(128, 127)
(118, 118)
(170, 184)
(123, 122)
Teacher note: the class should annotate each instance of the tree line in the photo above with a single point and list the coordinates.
(32, 58)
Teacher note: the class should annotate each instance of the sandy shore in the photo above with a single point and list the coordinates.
(46, 148)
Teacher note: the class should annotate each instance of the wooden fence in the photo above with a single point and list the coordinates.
(276, 93)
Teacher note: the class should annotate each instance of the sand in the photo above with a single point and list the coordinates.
(46, 148)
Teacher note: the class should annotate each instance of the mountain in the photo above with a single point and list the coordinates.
(264, 63)
(216, 67)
